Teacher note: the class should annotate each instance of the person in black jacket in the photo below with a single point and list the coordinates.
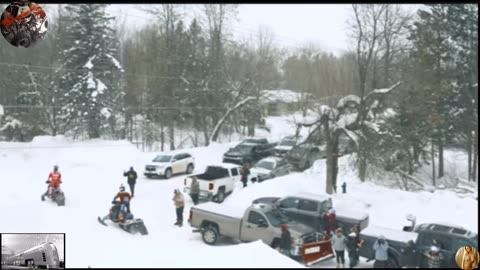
(353, 249)
(132, 179)
(285, 240)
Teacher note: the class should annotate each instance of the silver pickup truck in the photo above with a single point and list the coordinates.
(258, 222)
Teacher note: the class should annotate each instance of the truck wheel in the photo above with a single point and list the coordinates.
(220, 197)
(168, 173)
(392, 262)
(189, 168)
(210, 235)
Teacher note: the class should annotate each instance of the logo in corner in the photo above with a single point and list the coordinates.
(467, 258)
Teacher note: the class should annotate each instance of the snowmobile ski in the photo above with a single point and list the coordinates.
(102, 222)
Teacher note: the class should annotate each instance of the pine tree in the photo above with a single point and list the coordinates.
(91, 72)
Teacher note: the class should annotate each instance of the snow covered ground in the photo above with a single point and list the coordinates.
(93, 170)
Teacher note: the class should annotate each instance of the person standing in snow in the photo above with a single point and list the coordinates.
(285, 240)
(54, 181)
(131, 179)
(339, 243)
(381, 252)
(434, 257)
(195, 190)
(353, 246)
(179, 203)
(245, 172)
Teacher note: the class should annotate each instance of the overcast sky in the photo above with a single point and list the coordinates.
(292, 25)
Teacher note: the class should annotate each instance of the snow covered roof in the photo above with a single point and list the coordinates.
(312, 196)
(222, 209)
(281, 95)
(391, 234)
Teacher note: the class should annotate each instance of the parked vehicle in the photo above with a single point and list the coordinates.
(258, 222)
(217, 182)
(271, 167)
(302, 156)
(167, 165)
(309, 209)
(250, 150)
(286, 145)
(42, 256)
(407, 247)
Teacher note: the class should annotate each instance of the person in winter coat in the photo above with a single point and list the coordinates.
(131, 179)
(353, 249)
(381, 252)
(245, 172)
(434, 257)
(179, 203)
(339, 243)
(54, 181)
(285, 240)
(332, 221)
(124, 197)
(194, 190)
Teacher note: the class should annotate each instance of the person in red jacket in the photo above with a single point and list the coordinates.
(54, 180)
(332, 221)
(124, 197)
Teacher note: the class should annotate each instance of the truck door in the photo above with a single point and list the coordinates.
(234, 178)
(253, 230)
(307, 213)
(288, 206)
(425, 242)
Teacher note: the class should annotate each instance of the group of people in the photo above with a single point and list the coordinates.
(352, 243)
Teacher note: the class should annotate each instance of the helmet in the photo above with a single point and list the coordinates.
(434, 249)
(122, 188)
(284, 227)
(55, 167)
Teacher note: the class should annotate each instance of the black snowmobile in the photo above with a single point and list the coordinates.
(57, 196)
(131, 225)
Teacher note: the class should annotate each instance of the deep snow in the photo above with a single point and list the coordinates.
(93, 170)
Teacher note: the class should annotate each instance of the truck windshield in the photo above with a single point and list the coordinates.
(276, 218)
(266, 165)
(162, 158)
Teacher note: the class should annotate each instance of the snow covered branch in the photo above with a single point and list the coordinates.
(216, 129)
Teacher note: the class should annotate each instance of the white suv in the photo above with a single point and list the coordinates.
(169, 164)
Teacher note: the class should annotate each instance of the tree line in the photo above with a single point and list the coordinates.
(92, 78)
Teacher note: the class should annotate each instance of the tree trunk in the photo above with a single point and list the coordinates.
(162, 136)
(410, 163)
(434, 180)
(470, 154)
(416, 153)
(334, 142)
(475, 157)
(330, 163)
(440, 158)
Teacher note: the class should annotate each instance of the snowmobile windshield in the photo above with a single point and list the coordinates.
(276, 218)
(243, 149)
(266, 165)
(162, 158)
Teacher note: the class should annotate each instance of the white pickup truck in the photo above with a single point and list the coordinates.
(218, 181)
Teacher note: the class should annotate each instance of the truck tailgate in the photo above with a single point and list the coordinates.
(395, 238)
(228, 224)
(352, 217)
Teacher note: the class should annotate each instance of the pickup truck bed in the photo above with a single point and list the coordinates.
(212, 211)
(397, 241)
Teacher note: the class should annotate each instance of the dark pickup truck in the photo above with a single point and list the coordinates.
(407, 248)
(308, 208)
(250, 150)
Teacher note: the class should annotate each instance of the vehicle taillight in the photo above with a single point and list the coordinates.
(190, 215)
(210, 186)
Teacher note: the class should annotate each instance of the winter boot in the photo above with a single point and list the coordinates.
(338, 265)
(176, 223)
(180, 223)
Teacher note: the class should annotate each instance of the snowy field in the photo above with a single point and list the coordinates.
(93, 170)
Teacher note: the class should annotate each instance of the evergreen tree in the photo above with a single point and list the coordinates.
(91, 72)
